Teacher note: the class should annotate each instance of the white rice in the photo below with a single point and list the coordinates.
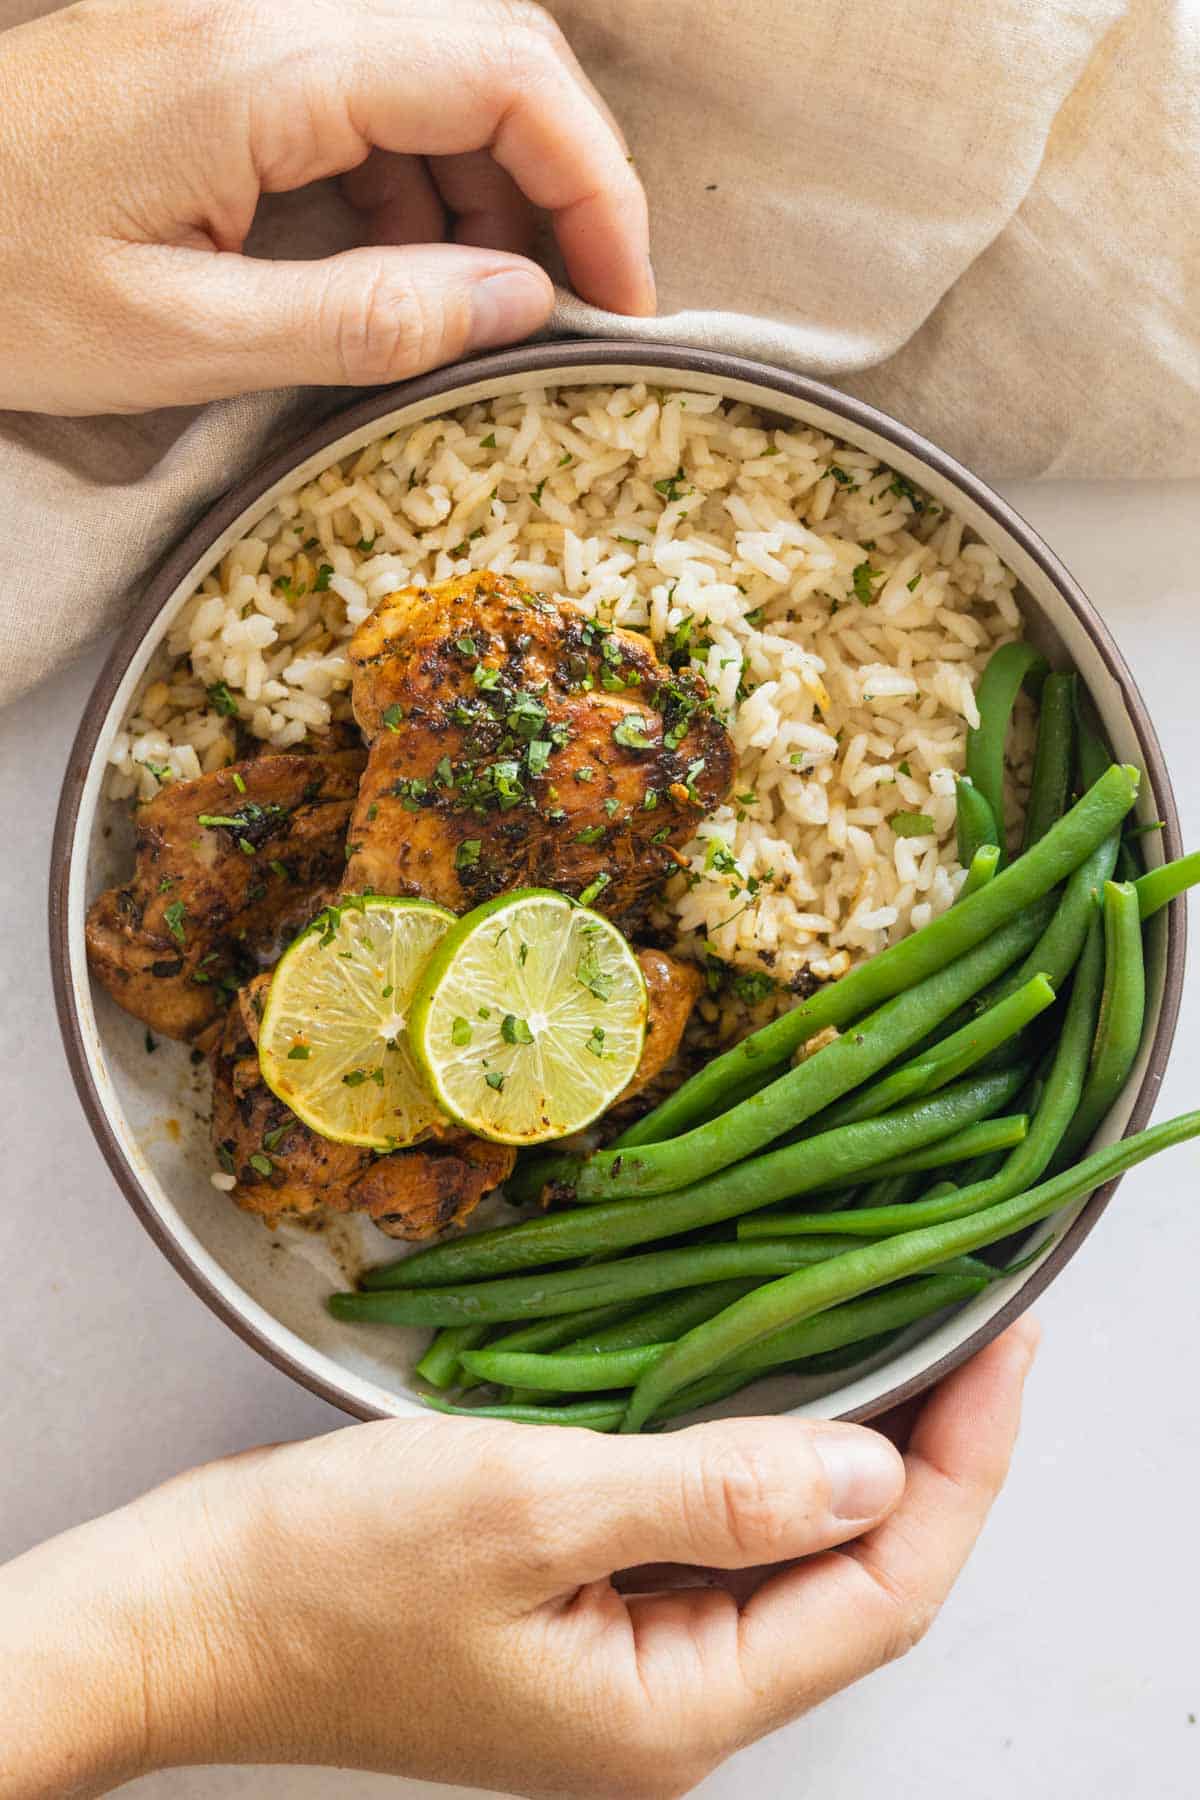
(843, 619)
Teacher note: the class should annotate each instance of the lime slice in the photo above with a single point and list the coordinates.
(529, 1018)
(334, 1043)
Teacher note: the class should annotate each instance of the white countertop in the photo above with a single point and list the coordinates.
(1064, 1665)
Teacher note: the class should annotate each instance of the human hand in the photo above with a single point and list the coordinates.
(433, 1598)
(136, 137)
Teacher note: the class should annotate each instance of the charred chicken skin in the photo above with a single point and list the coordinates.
(227, 868)
(514, 742)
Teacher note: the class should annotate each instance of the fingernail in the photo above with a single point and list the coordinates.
(864, 1472)
(506, 306)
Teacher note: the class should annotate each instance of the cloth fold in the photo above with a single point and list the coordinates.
(980, 218)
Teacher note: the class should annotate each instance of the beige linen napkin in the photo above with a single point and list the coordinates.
(979, 217)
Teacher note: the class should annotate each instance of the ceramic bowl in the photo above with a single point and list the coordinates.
(149, 1113)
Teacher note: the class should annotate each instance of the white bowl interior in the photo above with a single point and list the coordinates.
(157, 1104)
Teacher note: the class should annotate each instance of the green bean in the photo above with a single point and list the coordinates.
(1007, 669)
(1054, 759)
(885, 1190)
(832, 1330)
(662, 1321)
(977, 829)
(548, 1334)
(596, 1415)
(1091, 746)
(984, 865)
(977, 1140)
(852, 1058)
(780, 1175)
(1122, 1013)
(533, 1173)
(1060, 946)
(439, 1366)
(945, 1061)
(1063, 848)
(814, 1290)
(566, 1290)
(1052, 1116)
(1163, 884)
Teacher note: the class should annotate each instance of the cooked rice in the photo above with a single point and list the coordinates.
(840, 615)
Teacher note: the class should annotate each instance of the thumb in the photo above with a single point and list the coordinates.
(733, 1494)
(367, 316)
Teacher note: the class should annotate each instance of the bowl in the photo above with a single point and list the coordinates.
(148, 1113)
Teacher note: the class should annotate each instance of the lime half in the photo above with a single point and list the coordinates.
(529, 1018)
(334, 1042)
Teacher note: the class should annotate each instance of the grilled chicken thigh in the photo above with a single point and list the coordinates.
(227, 868)
(513, 743)
(517, 743)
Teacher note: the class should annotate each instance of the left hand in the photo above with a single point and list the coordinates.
(137, 137)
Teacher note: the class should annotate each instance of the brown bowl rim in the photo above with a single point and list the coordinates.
(554, 359)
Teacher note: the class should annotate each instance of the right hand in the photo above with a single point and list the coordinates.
(433, 1597)
(131, 182)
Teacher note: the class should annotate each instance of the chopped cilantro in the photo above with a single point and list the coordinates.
(494, 1079)
(594, 889)
(840, 475)
(612, 805)
(753, 988)
(173, 917)
(460, 1031)
(466, 645)
(585, 773)
(486, 678)
(392, 716)
(591, 834)
(467, 854)
(515, 1030)
(863, 579)
(591, 976)
(273, 1139)
(538, 755)
(910, 824)
(299, 1053)
(903, 489)
(322, 582)
(489, 442)
(536, 493)
(904, 768)
(672, 488)
(596, 1042)
(222, 700)
(633, 733)
(355, 1077)
(262, 1165)
(911, 585)
(367, 544)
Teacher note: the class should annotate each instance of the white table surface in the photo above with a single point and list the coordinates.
(1065, 1664)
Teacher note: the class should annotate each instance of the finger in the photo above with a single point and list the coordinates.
(728, 1495)
(517, 93)
(396, 195)
(490, 208)
(813, 1630)
(224, 324)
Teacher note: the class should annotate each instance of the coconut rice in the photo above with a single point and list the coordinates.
(840, 615)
